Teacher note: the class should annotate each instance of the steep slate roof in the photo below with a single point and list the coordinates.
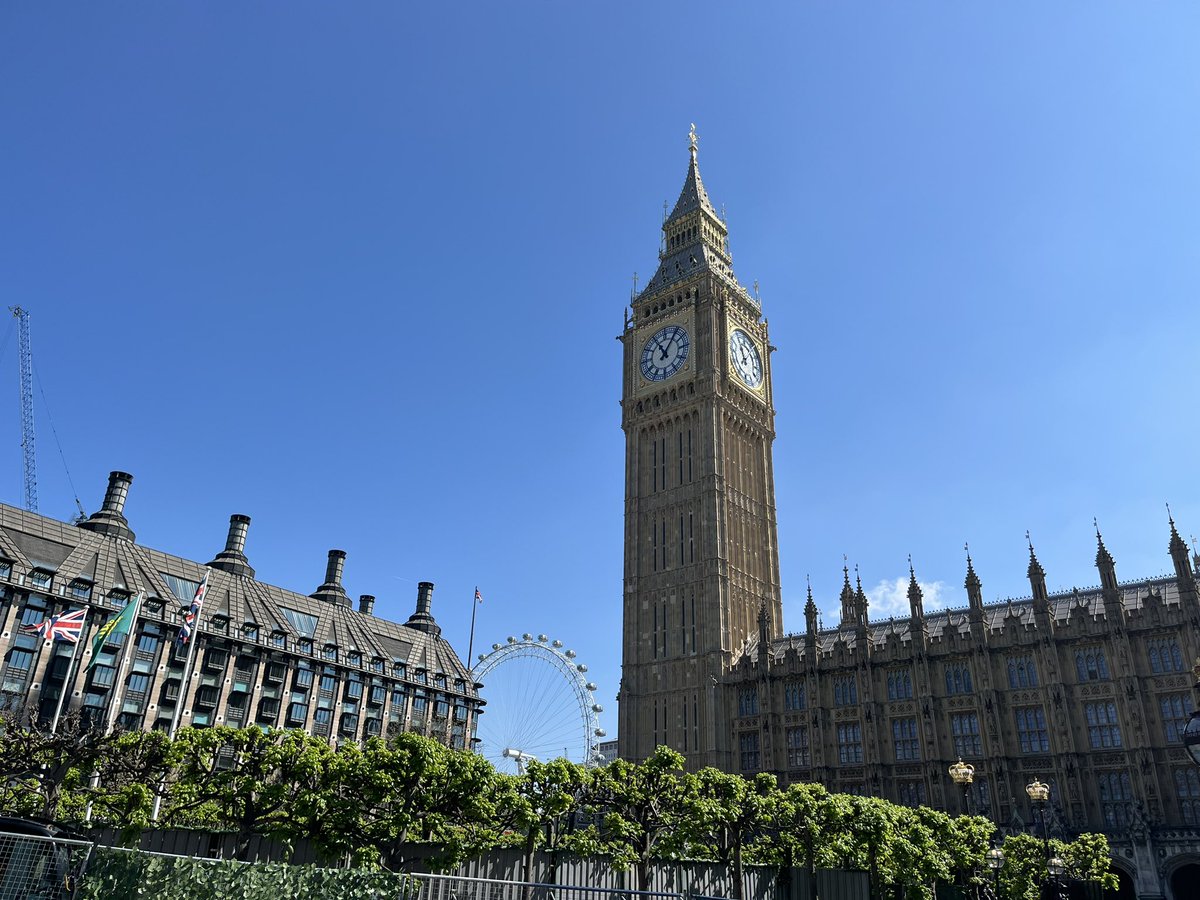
(34, 541)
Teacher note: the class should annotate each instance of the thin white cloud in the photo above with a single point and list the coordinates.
(890, 598)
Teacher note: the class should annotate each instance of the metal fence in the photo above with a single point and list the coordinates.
(34, 867)
(458, 887)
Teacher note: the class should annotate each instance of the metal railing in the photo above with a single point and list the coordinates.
(35, 867)
(457, 887)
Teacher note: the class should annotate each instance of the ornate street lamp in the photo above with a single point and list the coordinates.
(995, 860)
(963, 774)
(1039, 793)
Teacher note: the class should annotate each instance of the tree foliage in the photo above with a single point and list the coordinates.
(390, 802)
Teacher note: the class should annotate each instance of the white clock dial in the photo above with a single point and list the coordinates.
(665, 353)
(746, 360)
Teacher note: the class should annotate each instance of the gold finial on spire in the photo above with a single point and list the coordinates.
(692, 138)
(634, 284)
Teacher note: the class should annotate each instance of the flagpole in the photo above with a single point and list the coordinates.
(130, 639)
(471, 640)
(72, 671)
(193, 643)
(126, 652)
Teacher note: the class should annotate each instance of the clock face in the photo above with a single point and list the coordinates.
(665, 353)
(746, 361)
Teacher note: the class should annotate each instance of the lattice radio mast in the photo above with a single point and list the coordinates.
(22, 317)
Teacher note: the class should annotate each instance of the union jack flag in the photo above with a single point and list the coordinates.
(189, 617)
(63, 627)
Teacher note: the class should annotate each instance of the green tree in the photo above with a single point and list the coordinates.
(643, 808)
(39, 766)
(549, 795)
(802, 816)
(1024, 869)
(271, 783)
(726, 812)
(121, 789)
(388, 794)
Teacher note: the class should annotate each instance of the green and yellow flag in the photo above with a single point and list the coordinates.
(114, 627)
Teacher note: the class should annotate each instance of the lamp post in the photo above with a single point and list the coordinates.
(963, 774)
(1039, 793)
(995, 859)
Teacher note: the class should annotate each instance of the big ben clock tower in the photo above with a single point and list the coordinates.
(701, 549)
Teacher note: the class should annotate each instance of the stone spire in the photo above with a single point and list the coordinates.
(916, 596)
(810, 613)
(1189, 595)
(1114, 609)
(1178, 550)
(1104, 562)
(695, 238)
(1037, 582)
(973, 585)
(848, 616)
(860, 600)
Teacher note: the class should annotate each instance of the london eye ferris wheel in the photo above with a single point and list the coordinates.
(539, 704)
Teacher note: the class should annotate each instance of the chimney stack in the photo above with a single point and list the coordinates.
(332, 591)
(366, 605)
(233, 557)
(422, 619)
(110, 519)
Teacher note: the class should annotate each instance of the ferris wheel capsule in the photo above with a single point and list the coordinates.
(543, 638)
(557, 645)
(527, 636)
(570, 654)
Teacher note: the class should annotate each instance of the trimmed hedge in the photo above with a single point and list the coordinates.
(125, 875)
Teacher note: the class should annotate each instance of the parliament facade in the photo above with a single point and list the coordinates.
(1088, 690)
(264, 655)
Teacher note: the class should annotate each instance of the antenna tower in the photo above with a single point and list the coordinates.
(26, 354)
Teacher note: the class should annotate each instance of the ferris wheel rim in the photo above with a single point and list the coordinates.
(564, 661)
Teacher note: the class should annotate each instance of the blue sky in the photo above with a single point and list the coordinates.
(355, 270)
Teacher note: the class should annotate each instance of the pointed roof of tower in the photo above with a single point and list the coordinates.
(695, 237)
(972, 580)
(915, 594)
(1177, 545)
(860, 598)
(1035, 567)
(810, 607)
(1103, 557)
(693, 196)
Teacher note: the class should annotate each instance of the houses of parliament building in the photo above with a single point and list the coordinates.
(1088, 691)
